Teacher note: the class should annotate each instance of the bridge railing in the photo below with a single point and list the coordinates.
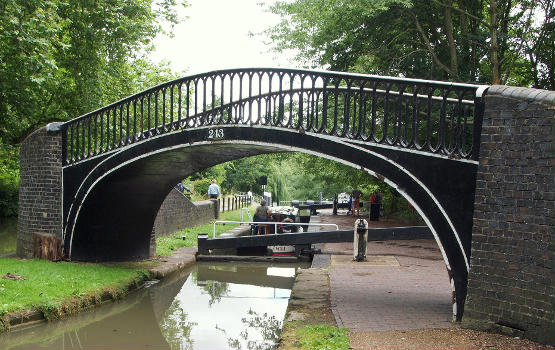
(429, 116)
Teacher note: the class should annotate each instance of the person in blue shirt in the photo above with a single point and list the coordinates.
(213, 190)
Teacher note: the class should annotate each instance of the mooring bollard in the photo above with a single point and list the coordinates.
(359, 240)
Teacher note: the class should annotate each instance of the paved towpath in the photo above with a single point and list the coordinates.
(402, 285)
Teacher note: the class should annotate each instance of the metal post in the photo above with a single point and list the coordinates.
(217, 210)
(359, 240)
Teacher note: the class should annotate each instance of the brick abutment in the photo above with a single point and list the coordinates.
(40, 189)
(511, 282)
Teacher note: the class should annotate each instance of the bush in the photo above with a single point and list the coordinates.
(8, 195)
(9, 180)
(201, 186)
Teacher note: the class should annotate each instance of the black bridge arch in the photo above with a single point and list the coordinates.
(421, 137)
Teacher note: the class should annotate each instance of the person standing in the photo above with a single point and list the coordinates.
(375, 203)
(356, 194)
(373, 211)
(213, 190)
(262, 214)
(378, 205)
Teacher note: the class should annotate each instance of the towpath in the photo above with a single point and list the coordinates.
(402, 285)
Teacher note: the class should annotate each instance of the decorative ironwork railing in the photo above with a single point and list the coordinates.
(429, 116)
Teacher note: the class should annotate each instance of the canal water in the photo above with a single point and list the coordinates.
(212, 306)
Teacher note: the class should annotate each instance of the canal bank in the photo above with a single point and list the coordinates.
(159, 268)
(69, 300)
(206, 306)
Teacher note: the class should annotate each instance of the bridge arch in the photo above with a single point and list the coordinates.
(421, 136)
(113, 210)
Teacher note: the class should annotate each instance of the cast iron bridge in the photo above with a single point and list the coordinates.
(421, 137)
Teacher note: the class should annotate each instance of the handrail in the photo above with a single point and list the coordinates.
(429, 116)
(248, 214)
(275, 223)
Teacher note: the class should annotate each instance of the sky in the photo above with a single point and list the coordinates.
(216, 36)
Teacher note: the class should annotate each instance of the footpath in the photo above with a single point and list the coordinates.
(401, 285)
(399, 298)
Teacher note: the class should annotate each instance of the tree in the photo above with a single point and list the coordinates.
(539, 48)
(243, 174)
(458, 40)
(62, 58)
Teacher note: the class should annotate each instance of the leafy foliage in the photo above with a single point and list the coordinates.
(298, 176)
(472, 41)
(9, 180)
(61, 58)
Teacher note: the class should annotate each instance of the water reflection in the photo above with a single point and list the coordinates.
(269, 327)
(176, 327)
(234, 307)
(239, 306)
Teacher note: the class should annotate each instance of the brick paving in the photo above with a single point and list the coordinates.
(403, 285)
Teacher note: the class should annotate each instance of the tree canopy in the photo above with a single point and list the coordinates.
(296, 176)
(485, 41)
(62, 58)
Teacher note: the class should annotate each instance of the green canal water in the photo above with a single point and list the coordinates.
(213, 306)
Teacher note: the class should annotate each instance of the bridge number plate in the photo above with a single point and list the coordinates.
(215, 134)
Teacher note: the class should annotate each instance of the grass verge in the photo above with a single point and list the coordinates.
(323, 337)
(61, 288)
(166, 244)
